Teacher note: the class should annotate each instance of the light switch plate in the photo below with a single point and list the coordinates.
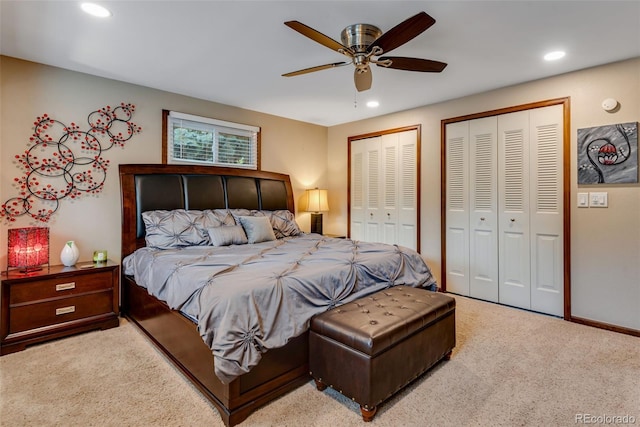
(583, 200)
(598, 200)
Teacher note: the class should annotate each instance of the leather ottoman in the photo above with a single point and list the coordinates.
(372, 347)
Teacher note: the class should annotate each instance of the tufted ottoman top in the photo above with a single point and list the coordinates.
(376, 322)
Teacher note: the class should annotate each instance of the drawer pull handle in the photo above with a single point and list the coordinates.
(65, 310)
(65, 286)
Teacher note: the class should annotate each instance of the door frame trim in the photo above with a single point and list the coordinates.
(566, 184)
(418, 129)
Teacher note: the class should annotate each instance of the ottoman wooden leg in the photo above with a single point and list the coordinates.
(320, 385)
(448, 355)
(368, 414)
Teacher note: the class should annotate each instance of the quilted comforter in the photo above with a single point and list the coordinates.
(248, 299)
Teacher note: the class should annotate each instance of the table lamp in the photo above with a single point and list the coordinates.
(28, 248)
(317, 203)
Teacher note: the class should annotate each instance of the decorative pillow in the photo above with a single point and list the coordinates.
(211, 218)
(170, 229)
(237, 213)
(225, 236)
(283, 222)
(258, 228)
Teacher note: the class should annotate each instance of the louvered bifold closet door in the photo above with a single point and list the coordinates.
(408, 189)
(547, 248)
(373, 192)
(513, 206)
(389, 214)
(483, 209)
(457, 207)
(384, 185)
(358, 190)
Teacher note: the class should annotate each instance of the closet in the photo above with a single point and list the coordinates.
(383, 187)
(504, 208)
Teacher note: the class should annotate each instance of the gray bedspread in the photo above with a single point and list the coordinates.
(248, 299)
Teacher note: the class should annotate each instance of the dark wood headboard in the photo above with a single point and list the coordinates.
(167, 187)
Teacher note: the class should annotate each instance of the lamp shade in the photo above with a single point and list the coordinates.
(28, 248)
(317, 200)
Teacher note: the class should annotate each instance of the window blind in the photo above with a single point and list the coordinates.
(202, 140)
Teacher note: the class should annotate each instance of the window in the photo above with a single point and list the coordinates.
(200, 140)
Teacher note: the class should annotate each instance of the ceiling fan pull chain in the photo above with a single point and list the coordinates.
(355, 99)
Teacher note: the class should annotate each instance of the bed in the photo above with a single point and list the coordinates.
(176, 324)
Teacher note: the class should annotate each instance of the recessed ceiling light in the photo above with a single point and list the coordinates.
(552, 56)
(95, 10)
(373, 104)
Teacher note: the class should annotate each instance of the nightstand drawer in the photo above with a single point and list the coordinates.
(60, 287)
(32, 316)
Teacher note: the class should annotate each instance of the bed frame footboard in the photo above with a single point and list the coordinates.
(280, 370)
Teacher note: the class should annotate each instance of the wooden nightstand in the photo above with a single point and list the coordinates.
(56, 302)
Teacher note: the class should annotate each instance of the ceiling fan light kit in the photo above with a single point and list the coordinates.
(362, 42)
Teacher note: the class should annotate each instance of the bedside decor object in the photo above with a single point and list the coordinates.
(64, 161)
(28, 248)
(69, 254)
(317, 203)
(100, 255)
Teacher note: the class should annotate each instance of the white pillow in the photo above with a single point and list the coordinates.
(225, 236)
(257, 228)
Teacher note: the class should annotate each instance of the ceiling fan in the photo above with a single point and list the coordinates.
(363, 42)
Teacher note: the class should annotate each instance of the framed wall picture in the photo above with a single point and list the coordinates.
(608, 154)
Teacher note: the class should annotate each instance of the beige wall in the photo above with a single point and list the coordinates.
(605, 243)
(29, 90)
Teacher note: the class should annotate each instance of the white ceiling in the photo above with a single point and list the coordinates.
(234, 52)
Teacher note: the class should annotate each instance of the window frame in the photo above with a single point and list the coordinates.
(167, 115)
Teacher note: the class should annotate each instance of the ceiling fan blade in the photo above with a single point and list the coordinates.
(317, 68)
(403, 32)
(318, 37)
(363, 79)
(413, 64)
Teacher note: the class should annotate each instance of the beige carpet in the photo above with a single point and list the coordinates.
(510, 368)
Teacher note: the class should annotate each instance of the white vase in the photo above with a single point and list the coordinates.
(70, 254)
